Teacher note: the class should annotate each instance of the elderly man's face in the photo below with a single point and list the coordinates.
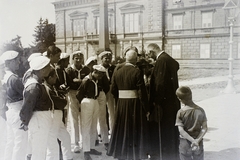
(150, 53)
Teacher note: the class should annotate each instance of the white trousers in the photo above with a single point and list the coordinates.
(16, 146)
(3, 137)
(102, 117)
(74, 117)
(59, 131)
(111, 109)
(89, 112)
(39, 129)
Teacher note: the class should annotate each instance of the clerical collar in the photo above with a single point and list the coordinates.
(159, 54)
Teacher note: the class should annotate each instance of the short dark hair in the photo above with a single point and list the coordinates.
(53, 50)
(154, 47)
(184, 93)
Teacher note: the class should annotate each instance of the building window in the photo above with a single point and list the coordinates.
(110, 24)
(177, 21)
(131, 22)
(97, 25)
(176, 51)
(97, 20)
(204, 50)
(132, 17)
(207, 19)
(79, 27)
(78, 23)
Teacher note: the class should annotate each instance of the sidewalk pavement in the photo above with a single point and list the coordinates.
(207, 80)
(222, 141)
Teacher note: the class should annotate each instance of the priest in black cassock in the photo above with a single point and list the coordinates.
(129, 139)
(163, 105)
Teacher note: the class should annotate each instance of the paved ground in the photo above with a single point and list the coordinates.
(222, 141)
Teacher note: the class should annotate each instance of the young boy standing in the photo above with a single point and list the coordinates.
(191, 121)
(16, 138)
(58, 129)
(87, 95)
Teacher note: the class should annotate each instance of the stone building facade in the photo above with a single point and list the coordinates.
(186, 29)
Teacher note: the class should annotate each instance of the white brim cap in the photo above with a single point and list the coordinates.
(9, 55)
(90, 59)
(44, 53)
(33, 55)
(1, 62)
(64, 55)
(39, 63)
(77, 52)
(99, 68)
(105, 53)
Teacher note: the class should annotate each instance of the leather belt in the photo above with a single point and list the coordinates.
(128, 94)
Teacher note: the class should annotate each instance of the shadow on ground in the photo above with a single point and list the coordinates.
(227, 154)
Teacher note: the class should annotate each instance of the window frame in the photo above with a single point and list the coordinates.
(81, 18)
(205, 18)
(178, 48)
(81, 29)
(128, 10)
(202, 48)
(173, 21)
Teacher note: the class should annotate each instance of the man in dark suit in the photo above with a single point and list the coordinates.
(164, 104)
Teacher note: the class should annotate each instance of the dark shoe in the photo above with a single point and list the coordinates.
(29, 156)
(95, 152)
(76, 149)
(96, 142)
(87, 156)
(106, 145)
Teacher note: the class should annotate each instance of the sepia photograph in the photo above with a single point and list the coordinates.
(119, 79)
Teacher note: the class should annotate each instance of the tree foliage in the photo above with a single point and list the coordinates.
(44, 35)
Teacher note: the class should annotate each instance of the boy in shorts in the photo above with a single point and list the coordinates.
(191, 121)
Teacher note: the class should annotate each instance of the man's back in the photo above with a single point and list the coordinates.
(126, 77)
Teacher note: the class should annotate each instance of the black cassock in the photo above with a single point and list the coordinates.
(129, 139)
(163, 85)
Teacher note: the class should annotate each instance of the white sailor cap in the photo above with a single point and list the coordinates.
(1, 63)
(90, 59)
(77, 52)
(33, 55)
(64, 55)
(99, 68)
(39, 63)
(105, 53)
(9, 55)
(44, 53)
